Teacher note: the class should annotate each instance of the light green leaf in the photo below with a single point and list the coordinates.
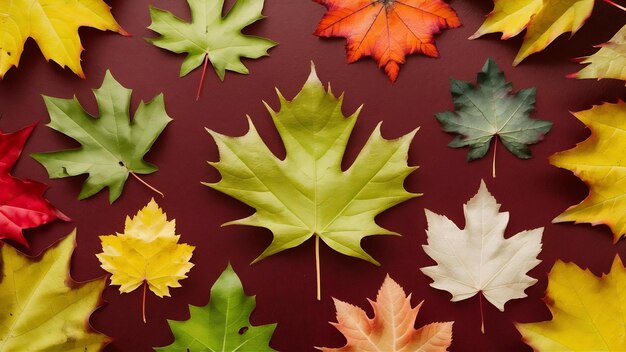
(211, 36)
(223, 324)
(112, 145)
(43, 309)
(490, 109)
(307, 194)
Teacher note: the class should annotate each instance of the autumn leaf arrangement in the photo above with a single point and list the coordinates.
(307, 196)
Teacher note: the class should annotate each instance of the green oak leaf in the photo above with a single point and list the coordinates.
(223, 324)
(210, 36)
(307, 194)
(490, 109)
(43, 308)
(112, 146)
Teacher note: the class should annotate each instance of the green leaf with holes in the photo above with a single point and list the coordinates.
(113, 146)
(223, 324)
(491, 109)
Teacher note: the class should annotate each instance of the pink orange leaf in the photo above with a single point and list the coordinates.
(392, 328)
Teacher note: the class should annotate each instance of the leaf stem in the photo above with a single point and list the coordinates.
(147, 184)
(616, 5)
(317, 267)
(143, 301)
(495, 149)
(482, 317)
(206, 61)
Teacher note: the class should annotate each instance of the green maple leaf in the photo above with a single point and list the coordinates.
(43, 309)
(112, 146)
(223, 324)
(490, 109)
(307, 194)
(211, 37)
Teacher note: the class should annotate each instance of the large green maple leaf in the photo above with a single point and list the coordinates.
(112, 146)
(307, 194)
(211, 37)
(43, 309)
(491, 109)
(223, 324)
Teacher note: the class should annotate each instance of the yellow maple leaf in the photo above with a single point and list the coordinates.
(545, 20)
(147, 253)
(53, 24)
(599, 161)
(588, 313)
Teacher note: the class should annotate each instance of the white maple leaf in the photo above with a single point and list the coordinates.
(478, 258)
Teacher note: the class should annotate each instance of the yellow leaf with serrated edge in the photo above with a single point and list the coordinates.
(53, 24)
(609, 61)
(588, 313)
(147, 252)
(545, 21)
(599, 161)
(43, 309)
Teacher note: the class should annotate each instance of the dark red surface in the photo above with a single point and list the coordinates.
(533, 191)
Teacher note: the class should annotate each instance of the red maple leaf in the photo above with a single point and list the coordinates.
(22, 204)
(386, 30)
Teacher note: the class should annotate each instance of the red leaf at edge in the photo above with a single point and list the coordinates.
(22, 204)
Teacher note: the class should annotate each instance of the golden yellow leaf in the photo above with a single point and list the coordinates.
(53, 24)
(545, 21)
(588, 313)
(599, 161)
(146, 253)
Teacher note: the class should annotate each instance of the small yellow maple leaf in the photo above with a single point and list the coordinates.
(147, 253)
(599, 161)
(53, 24)
(588, 313)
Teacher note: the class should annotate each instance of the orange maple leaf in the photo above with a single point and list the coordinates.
(386, 30)
(392, 328)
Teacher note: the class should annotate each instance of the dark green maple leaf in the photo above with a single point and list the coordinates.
(491, 109)
(211, 37)
(112, 146)
(223, 324)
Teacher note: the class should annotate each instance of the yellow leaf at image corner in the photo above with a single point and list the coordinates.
(53, 24)
(599, 161)
(609, 61)
(40, 310)
(509, 17)
(588, 313)
(149, 251)
(544, 20)
(555, 18)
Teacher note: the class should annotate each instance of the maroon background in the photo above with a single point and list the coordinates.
(533, 191)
